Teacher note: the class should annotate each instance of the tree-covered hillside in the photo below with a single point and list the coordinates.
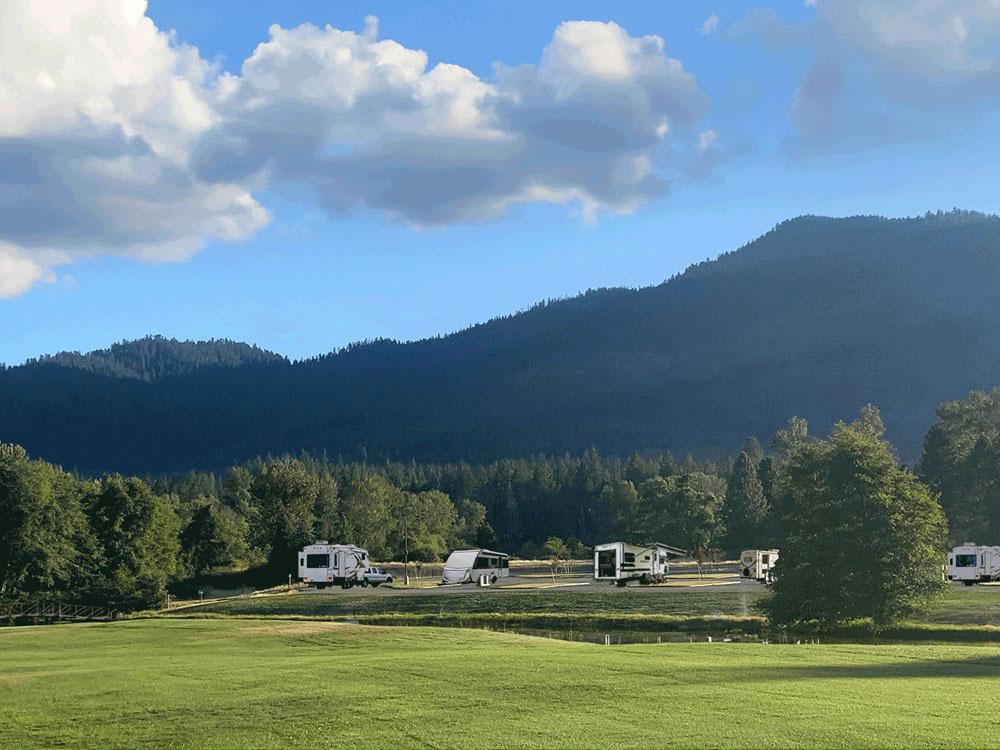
(156, 357)
(817, 317)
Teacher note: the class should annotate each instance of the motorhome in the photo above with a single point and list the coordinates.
(324, 564)
(465, 565)
(758, 564)
(620, 562)
(971, 563)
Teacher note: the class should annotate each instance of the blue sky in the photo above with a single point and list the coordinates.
(781, 109)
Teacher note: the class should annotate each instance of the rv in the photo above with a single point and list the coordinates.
(758, 564)
(620, 562)
(324, 564)
(464, 565)
(971, 564)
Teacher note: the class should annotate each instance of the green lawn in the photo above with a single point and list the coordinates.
(552, 601)
(269, 683)
(962, 614)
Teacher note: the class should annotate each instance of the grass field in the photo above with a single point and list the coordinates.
(662, 601)
(266, 683)
(961, 615)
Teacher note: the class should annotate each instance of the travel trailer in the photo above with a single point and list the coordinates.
(324, 564)
(620, 563)
(465, 565)
(758, 564)
(971, 563)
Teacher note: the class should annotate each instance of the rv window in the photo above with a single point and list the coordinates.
(504, 562)
(629, 557)
(645, 557)
(965, 561)
(481, 562)
(317, 561)
(765, 559)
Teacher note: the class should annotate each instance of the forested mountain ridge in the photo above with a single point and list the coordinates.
(816, 318)
(155, 357)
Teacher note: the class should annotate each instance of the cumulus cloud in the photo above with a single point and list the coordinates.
(710, 25)
(116, 138)
(98, 113)
(886, 70)
(358, 121)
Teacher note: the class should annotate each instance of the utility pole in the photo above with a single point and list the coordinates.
(406, 545)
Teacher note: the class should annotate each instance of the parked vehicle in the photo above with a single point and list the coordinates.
(324, 564)
(620, 562)
(758, 564)
(465, 565)
(375, 576)
(971, 563)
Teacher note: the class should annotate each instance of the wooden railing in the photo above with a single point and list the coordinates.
(43, 612)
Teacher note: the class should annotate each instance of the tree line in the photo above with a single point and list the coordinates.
(834, 506)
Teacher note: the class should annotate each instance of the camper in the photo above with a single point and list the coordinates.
(758, 564)
(620, 563)
(465, 565)
(324, 564)
(970, 563)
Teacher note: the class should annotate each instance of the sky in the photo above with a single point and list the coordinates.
(302, 175)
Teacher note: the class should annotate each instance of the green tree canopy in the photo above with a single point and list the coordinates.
(860, 537)
(746, 508)
(285, 494)
(44, 540)
(137, 540)
(961, 461)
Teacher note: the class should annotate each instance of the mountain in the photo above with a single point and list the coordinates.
(815, 318)
(156, 357)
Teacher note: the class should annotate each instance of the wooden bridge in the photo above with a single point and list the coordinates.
(50, 612)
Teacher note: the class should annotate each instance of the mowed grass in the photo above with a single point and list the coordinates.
(960, 615)
(245, 683)
(552, 601)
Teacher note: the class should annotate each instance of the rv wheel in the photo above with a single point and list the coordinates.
(644, 581)
(968, 583)
(493, 578)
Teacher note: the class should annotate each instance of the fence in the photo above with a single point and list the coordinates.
(50, 612)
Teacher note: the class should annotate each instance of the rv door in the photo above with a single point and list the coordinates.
(606, 559)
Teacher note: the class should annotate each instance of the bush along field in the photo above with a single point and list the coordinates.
(269, 684)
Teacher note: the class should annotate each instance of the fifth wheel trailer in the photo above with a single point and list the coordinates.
(620, 562)
(324, 564)
(971, 563)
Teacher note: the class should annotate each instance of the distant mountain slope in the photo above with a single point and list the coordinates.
(815, 318)
(156, 357)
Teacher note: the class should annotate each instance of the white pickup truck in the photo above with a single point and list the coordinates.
(375, 576)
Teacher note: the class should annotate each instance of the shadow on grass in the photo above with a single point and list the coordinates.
(975, 667)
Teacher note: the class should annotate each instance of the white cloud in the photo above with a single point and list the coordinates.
(707, 139)
(19, 273)
(887, 69)
(98, 112)
(364, 122)
(710, 25)
(118, 139)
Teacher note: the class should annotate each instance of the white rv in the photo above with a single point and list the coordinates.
(758, 564)
(620, 562)
(324, 564)
(465, 565)
(970, 563)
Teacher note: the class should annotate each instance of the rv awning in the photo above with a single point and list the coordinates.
(670, 551)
